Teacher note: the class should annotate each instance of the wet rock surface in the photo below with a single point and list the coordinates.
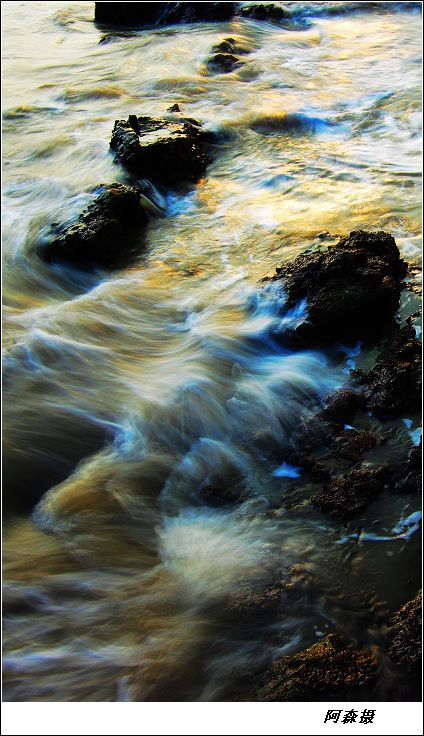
(341, 406)
(393, 386)
(150, 13)
(98, 236)
(162, 150)
(222, 62)
(267, 11)
(328, 670)
(351, 289)
(346, 495)
(230, 46)
(405, 634)
(225, 56)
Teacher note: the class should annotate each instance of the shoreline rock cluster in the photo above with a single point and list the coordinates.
(155, 152)
(159, 14)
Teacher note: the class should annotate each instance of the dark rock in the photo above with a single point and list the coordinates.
(164, 151)
(409, 480)
(217, 490)
(264, 12)
(393, 386)
(327, 671)
(260, 604)
(341, 406)
(313, 467)
(160, 14)
(257, 604)
(133, 121)
(346, 495)
(316, 434)
(352, 289)
(405, 634)
(222, 63)
(226, 46)
(353, 445)
(230, 46)
(96, 237)
(174, 108)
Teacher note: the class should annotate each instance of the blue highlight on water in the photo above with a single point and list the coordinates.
(287, 471)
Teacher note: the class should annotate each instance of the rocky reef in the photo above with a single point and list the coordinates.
(328, 670)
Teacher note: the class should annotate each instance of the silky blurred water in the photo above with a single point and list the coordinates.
(127, 393)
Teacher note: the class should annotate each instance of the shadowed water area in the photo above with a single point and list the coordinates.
(130, 395)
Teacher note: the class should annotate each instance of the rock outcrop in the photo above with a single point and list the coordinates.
(393, 386)
(351, 290)
(101, 235)
(328, 670)
(165, 151)
(349, 494)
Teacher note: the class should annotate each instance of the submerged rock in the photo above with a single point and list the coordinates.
(97, 237)
(161, 150)
(346, 495)
(151, 13)
(393, 386)
(328, 670)
(222, 63)
(352, 289)
(225, 57)
(405, 633)
(229, 46)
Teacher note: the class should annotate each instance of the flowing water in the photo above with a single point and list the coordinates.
(126, 394)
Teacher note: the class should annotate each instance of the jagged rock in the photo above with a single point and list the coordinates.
(160, 14)
(405, 634)
(328, 670)
(351, 290)
(164, 151)
(267, 11)
(346, 495)
(393, 386)
(99, 234)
